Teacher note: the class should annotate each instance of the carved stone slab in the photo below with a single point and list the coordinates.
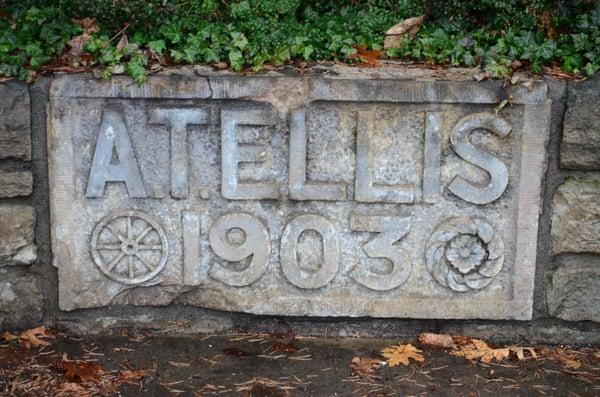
(311, 196)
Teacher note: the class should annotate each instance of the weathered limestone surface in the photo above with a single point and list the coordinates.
(21, 301)
(318, 195)
(576, 216)
(15, 183)
(17, 224)
(574, 293)
(15, 121)
(580, 148)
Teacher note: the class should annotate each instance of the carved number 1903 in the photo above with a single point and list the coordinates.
(238, 236)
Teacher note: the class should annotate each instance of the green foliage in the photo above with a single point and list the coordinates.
(252, 33)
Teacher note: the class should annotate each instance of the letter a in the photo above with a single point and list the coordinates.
(113, 136)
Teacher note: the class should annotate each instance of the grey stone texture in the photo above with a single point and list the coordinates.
(15, 183)
(21, 300)
(574, 291)
(15, 121)
(17, 227)
(341, 194)
(576, 216)
(580, 147)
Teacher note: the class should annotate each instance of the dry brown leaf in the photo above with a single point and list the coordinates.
(89, 25)
(520, 352)
(408, 27)
(366, 367)
(131, 377)
(29, 338)
(566, 358)
(479, 350)
(123, 41)
(82, 371)
(437, 340)
(365, 57)
(401, 354)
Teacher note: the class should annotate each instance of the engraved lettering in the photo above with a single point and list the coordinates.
(492, 165)
(331, 251)
(178, 119)
(113, 137)
(191, 247)
(234, 237)
(367, 191)
(300, 189)
(233, 153)
(391, 229)
(431, 169)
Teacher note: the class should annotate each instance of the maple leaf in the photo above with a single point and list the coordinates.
(401, 354)
(479, 350)
(366, 367)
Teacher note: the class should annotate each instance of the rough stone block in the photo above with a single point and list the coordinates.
(576, 216)
(17, 228)
(15, 121)
(15, 183)
(580, 148)
(574, 293)
(21, 301)
(320, 196)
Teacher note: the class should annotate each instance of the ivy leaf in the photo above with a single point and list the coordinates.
(236, 59)
(157, 46)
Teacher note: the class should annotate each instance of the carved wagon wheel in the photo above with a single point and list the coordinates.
(129, 246)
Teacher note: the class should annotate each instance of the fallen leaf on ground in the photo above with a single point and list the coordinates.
(284, 347)
(81, 371)
(408, 27)
(366, 367)
(131, 377)
(520, 352)
(29, 338)
(401, 354)
(566, 358)
(365, 57)
(437, 340)
(479, 350)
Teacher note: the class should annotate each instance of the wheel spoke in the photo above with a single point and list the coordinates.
(143, 234)
(129, 227)
(115, 233)
(115, 246)
(130, 266)
(115, 262)
(150, 247)
(149, 266)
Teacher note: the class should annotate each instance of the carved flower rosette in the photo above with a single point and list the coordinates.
(464, 254)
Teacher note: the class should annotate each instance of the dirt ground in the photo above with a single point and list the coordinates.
(134, 364)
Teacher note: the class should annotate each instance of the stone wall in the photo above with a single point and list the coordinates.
(566, 299)
(573, 290)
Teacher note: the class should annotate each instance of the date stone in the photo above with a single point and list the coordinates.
(310, 196)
